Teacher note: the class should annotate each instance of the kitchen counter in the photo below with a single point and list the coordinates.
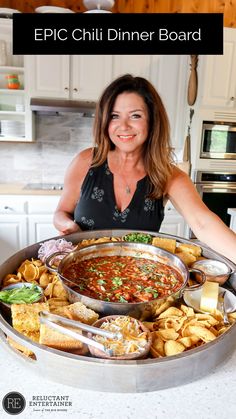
(18, 189)
(211, 397)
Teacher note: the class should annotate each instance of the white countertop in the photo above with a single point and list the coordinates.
(18, 189)
(211, 397)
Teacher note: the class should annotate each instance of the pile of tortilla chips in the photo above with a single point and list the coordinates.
(36, 272)
(179, 329)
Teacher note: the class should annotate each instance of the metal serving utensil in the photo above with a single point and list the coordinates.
(52, 320)
(221, 299)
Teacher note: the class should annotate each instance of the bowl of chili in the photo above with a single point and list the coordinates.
(122, 278)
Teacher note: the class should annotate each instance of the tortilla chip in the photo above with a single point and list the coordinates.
(202, 332)
(188, 311)
(167, 334)
(173, 348)
(187, 342)
(171, 311)
(158, 345)
(155, 353)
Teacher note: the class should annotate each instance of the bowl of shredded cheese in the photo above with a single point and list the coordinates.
(134, 343)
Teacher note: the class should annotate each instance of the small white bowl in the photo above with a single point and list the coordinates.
(193, 298)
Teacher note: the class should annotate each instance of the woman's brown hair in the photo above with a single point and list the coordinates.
(157, 149)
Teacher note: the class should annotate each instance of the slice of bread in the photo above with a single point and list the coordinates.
(78, 311)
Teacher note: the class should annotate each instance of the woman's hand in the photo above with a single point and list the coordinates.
(70, 227)
(64, 223)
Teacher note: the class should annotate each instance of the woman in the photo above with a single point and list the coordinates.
(124, 181)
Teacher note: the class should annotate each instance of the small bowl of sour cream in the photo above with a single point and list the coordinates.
(215, 270)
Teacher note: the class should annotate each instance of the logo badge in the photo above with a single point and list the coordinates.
(13, 403)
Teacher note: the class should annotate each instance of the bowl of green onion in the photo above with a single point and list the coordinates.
(21, 293)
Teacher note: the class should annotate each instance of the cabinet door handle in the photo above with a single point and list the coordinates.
(75, 89)
(66, 89)
(232, 98)
(6, 207)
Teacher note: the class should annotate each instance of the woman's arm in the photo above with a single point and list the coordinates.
(75, 174)
(206, 225)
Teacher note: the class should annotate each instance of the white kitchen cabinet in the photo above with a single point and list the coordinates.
(67, 77)
(13, 235)
(219, 88)
(173, 222)
(41, 228)
(40, 218)
(80, 76)
(14, 102)
(25, 220)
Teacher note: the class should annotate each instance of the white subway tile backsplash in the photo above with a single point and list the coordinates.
(59, 137)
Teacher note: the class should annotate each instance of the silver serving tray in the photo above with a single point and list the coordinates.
(117, 376)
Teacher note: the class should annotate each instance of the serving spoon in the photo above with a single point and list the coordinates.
(221, 299)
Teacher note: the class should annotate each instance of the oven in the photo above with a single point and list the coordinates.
(218, 192)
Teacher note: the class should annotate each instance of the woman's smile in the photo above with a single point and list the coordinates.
(126, 137)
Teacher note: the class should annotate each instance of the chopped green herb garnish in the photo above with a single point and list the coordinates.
(122, 300)
(151, 291)
(101, 281)
(138, 237)
(117, 281)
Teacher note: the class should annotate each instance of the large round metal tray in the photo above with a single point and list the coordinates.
(116, 376)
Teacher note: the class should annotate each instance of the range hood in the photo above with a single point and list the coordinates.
(85, 108)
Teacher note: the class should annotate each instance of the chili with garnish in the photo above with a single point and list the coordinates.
(123, 278)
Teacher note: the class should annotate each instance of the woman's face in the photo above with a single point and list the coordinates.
(128, 127)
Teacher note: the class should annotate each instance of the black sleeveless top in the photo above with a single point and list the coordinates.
(97, 209)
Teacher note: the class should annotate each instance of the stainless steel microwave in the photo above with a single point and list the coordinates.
(218, 140)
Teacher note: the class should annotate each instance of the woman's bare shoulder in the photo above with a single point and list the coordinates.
(178, 177)
(81, 163)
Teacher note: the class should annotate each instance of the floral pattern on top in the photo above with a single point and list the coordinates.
(148, 205)
(89, 223)
(107, 170)
(120, 216)
(97, 194)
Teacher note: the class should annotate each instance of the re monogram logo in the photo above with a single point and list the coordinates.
(13, 403)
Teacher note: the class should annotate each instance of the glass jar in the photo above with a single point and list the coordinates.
(13, 81)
